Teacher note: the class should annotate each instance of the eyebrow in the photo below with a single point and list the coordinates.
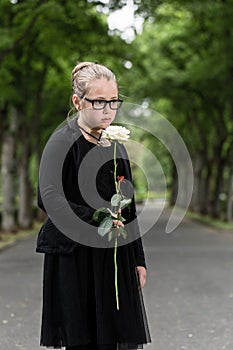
(103, 98)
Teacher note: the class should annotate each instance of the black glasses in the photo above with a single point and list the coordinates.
(101, 104)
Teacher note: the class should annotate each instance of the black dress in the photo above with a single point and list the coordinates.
(79, 304)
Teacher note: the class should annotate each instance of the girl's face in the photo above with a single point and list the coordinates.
(101, 89)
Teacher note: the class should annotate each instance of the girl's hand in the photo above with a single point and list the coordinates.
(118, 223)
(142, 275)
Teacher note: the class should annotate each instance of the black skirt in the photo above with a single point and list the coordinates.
(79, 303)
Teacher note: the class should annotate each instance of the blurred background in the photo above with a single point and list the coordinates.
(175, 57)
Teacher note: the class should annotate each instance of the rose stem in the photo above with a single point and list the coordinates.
(116, 284)
(115, 168)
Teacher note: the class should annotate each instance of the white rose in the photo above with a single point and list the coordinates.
(116, 133)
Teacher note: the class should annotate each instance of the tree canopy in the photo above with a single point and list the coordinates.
(180, 65)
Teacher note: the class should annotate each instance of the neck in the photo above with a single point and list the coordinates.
(92, 135)
(95, 131)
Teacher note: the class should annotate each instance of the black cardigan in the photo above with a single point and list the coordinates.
(61, 160)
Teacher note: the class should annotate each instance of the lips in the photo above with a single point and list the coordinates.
(106, 120)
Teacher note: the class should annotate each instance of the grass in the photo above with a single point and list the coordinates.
(205, 219)
(217, 223)
(142, 196)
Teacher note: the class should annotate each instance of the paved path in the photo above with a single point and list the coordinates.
(189, 293)
(20, 296)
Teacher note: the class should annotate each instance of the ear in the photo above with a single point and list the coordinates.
(76, 102)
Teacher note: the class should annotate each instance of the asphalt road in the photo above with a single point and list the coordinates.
(188, 296)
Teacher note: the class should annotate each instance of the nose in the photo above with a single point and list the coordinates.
(106, 109)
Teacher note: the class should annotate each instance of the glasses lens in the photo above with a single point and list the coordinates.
(101, 104)
(115, 104)
(98, 104)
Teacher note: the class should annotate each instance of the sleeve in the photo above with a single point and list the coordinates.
(39, 199)
(51, 196)
(83, 212)
(139, 253)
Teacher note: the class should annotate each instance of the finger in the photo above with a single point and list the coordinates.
(142, 277)
(143, 282)
(115, 223)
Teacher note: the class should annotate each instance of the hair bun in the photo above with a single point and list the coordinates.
(79, 67)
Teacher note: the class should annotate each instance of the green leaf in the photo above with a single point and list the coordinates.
(100, 214)
(110, 236)
(122, 232)
(120, 217)
(105, 226)
(125, 202)
(115, 200)
(114, 216)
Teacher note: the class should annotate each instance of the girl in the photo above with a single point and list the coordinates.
(79, 305)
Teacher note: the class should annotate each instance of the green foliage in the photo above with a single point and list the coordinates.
(182, 67)
(100, 214)
(115, 200)
(105, 226)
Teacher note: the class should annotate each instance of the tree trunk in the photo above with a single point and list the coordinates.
(25, 210)
(8, 174)
(37, 132)
(205, 189)
(215, 210)
(229, 208)
(197, 169)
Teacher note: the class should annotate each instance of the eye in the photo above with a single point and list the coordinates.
(114, 103)
(99, 102)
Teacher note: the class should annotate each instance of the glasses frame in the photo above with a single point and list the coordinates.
(105, 102)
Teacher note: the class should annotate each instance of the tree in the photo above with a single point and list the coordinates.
(41, 42)
(184, 62)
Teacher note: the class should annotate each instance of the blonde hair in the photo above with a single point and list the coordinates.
(85, 73)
